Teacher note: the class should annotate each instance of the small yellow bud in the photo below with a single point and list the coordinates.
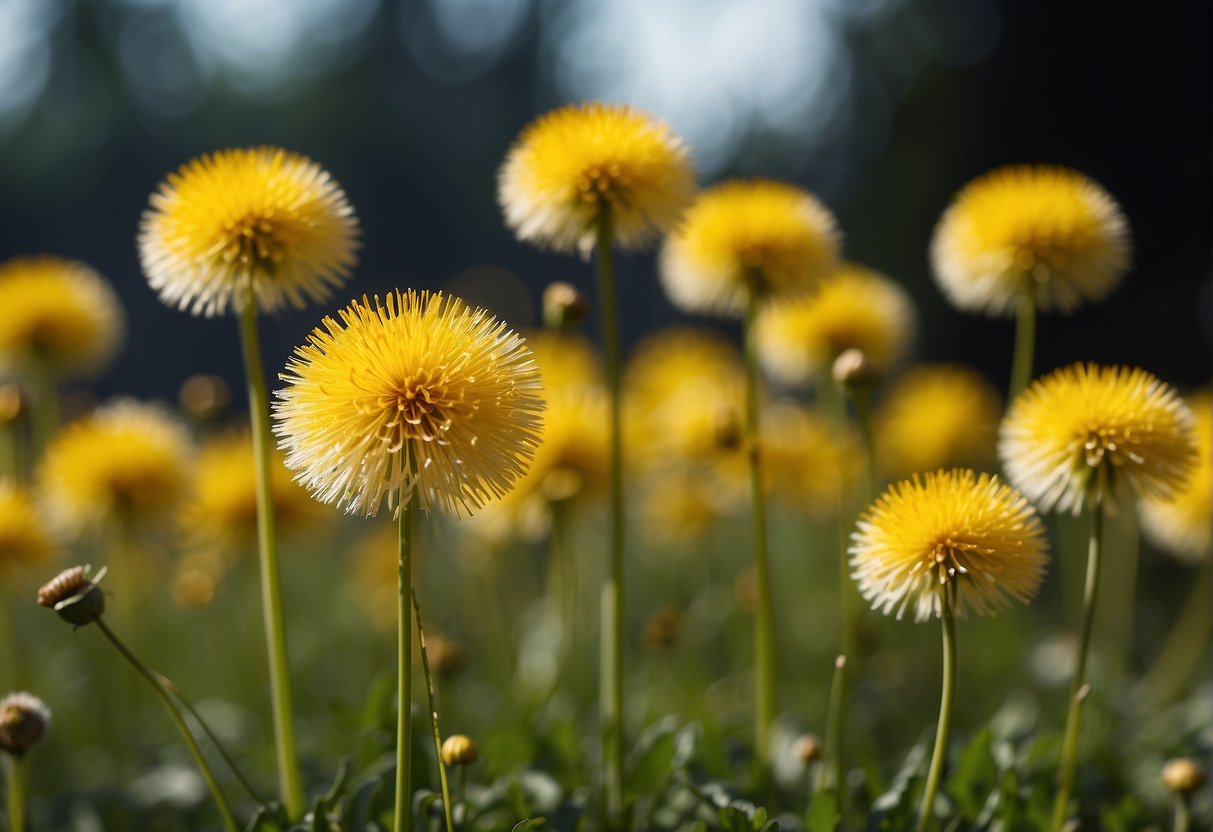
(78, 600)
(564, 306)
(807, 748)
(459, 750)
(853, 370)
(1182, 775)
(23, 721)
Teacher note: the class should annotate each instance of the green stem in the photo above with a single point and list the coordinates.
(946, 699)
(611, 655)
(463, 794)
(562, 585)
(289, 779)
(206, 729)
(835, 731)
(1025, 343)
(1183, 814)
(429, 691)
(403, 819)
(764, 623)
(863, 415)
(17, 776)
(162, 690)
(44, 391)
(1185, 646)
(1079, 688)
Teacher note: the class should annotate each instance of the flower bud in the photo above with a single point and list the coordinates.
(459, 750)
(1182, 775)
(807, 748)
(564, 306)
(853, 370)
(204, 398)
(78, 600)
(23, 721)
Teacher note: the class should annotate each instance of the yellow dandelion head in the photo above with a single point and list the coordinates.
(58, 312)
(259, 220)
(856, 308)
(1183, 523)
(1042, 229)
(127, 458)
(416, 395)
(24, 538)
(1076, 433)
(808, 460)
(937, 416)
(748, 238)
(220, 514)
(953, 532)
(680, 506)
(583, 161)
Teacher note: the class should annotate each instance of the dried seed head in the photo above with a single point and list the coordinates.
(23, 721)
(807, 748)
(459, 750)
(1182, 775)
(78, 600)
(564, 306)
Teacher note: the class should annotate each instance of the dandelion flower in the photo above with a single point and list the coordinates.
(576, 164)
(937, 416)
(259, 220)
(809, 461)
(1077, 432)
(24, 540)
(748, 239)
(127, 458)
(416, 395)
(221, 513)
(948, 527)
(1045, 230)
(800, 337)
(1183, 523)
(58, 312)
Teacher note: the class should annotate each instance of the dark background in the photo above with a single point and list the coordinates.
(414, 128)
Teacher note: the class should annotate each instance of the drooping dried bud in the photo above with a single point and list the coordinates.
(23, 720)
(204, 397)
(459, 750)
(1182, 775)
(564, 306)
(662, 628)
(853, 370)
(77, 599)
(807, 748)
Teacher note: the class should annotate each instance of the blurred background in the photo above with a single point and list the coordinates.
(882, 107)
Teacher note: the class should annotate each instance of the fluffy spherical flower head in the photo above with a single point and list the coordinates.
(24, 538)
(127, 459)
(259, 220)
(59, 312)
(748, 237)
(574, 164)
(937, 416)
(808, 460)
(1042, 229)
(414, 395)
(856, 308)
(1183, 523)
(220, 515)
(948, 531)
(1077, 433)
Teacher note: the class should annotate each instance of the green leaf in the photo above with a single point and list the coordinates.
(823, 813)
(975, 774)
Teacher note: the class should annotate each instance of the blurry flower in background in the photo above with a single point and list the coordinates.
(128, 459)
(24, 718)
(260, 220)
(572, 164)
(373, 575)
(415, 395)
(855, 308)
(937, 416)
(24, 538)
(1183, 523)
(810, 462)
(220, 514)
(204, 398)
(679, 506)
(748, 238)
(1077, 433)
(1045, 230)
(948, 527)
(57, 312)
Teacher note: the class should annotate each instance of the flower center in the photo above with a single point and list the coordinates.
(947, 556)
(607, 182)
(421, 406)
(254, 240)
(1110, 444)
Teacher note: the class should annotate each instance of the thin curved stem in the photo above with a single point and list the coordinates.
(15, 792)
(946, 700)
(44, 390)
(403, 819)
(1079, 688)
(835, 731)
(1025, 344)
(429, 690)
(157, 683)
(764, 623)
(289, 779)
(611, 657)
(863, 416)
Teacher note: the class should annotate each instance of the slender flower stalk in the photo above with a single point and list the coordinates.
(15, 792)
(429, 692)
(1025, 342)
(946, 700)
(613, 603)
(835, 734)
(273, 615)
(402, 820)
(1078, 687)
